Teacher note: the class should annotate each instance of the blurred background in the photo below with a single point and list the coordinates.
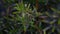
(29, 16)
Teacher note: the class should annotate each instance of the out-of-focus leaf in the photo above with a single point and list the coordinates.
(53, 29)
(59, 21)
(31, 23)
(51, 22)
(25, 28)
(55, 10)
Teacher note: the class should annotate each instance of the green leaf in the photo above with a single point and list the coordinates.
(25, 28)
(53, 29)
(55, 10)
(59, 21)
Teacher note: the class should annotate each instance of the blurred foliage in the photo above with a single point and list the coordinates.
(21, 18)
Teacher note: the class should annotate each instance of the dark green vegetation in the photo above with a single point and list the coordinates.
(22, 17)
